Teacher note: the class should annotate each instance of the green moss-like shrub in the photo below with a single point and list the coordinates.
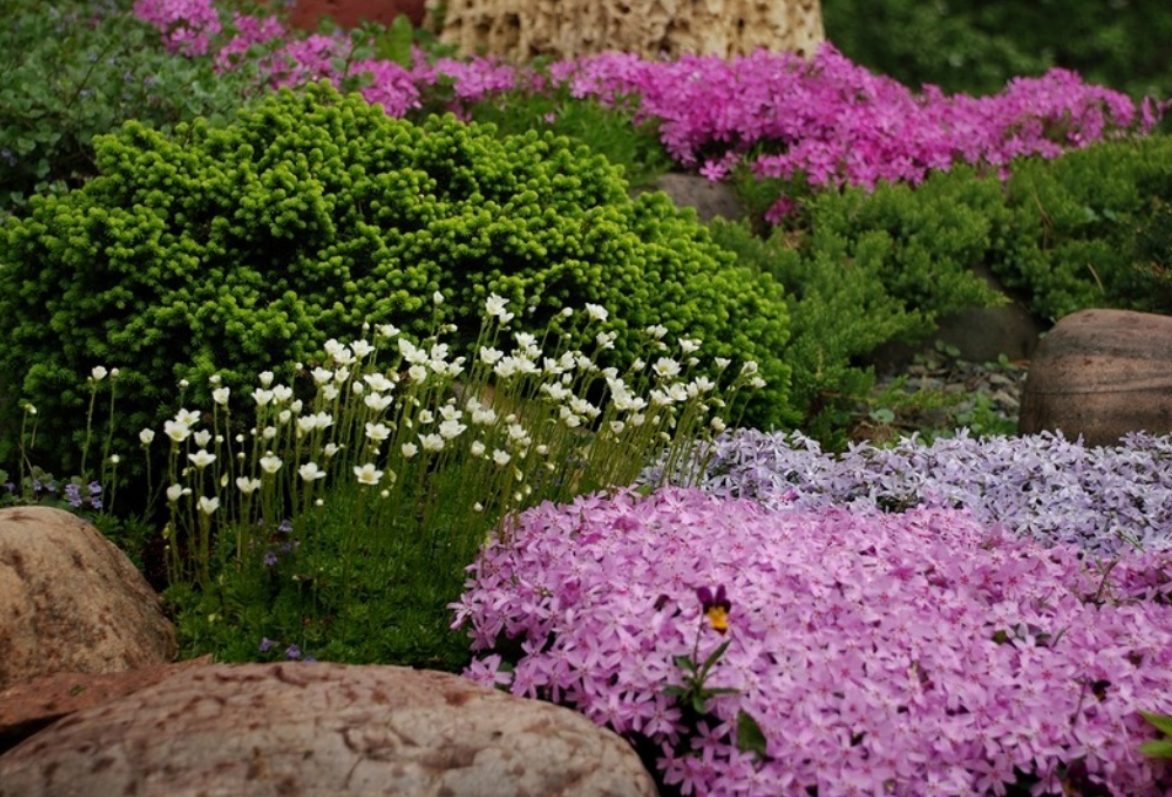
(867, 269)
(240, 249)
(1091, 229)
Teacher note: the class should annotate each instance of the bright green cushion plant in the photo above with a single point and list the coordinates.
(237, 250)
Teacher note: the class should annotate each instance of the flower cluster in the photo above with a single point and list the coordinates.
(80, 495)
(1103, 500)
(834, 122)
(905, 654)
(312, 487)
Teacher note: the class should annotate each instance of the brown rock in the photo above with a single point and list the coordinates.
(520, 30)
(315, 729)
(307, 14)
(32, 705)
(1101, 374)
(71, 601)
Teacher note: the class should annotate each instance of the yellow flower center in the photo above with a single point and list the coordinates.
(718, 616)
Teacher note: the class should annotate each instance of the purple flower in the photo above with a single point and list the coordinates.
(292, 652)
(953, 652)
(715, 606)
(270, 559)
(73, 495)
(266, 644)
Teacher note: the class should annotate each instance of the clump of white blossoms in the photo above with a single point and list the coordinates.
(459, 441)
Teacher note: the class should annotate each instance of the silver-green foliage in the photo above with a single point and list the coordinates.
(240, 249)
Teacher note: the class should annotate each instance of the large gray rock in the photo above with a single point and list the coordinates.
(70, 601)
(1101, 374)
(979, 334)
(709, 199)
(322, 729)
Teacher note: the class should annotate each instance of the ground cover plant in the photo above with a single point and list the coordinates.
(1105, 500)
(912, 653)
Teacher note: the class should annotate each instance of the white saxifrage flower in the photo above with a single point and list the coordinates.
(367, 474)
(177, 431)
(310, 472)
(262, 397)
(247, 485)
(377, 432)
(201, 459)
(177, 491)
(451, 429)
(270, 464)
(597, 312)
(208, 505)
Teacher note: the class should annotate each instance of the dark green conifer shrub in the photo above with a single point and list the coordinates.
(1091, 228)
(871, 269)
(240, 249)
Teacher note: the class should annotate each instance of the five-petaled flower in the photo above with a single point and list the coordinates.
(716, 607)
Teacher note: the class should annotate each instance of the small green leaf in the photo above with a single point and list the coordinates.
(1157, 749)
(750, 737)
(720, 690)
(715, 655)
(684, 663)
(1162, 721)
(394, 44)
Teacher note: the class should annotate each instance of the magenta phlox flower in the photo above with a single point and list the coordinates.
(903, 653)
(187, 26)
(250, 31)
(391, 86)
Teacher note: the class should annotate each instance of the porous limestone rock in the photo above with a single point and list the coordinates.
(519, 30)
(1101, 374)
(316, 729)
(70, 601)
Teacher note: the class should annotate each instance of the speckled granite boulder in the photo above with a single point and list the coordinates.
(70, 601)
(322, 729)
